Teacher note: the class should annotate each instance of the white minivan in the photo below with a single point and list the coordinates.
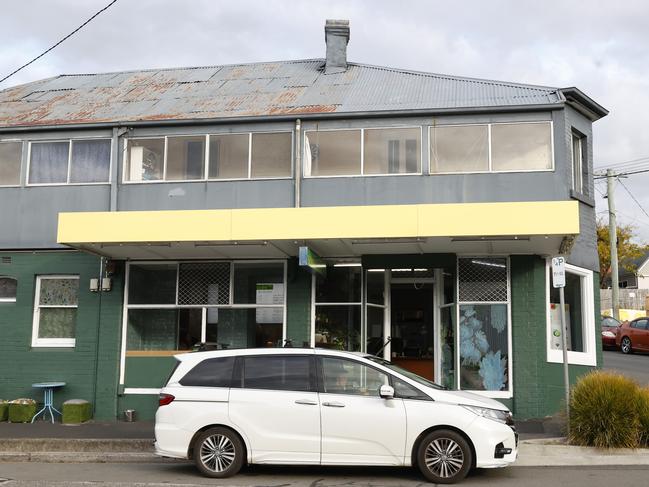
(226, 408)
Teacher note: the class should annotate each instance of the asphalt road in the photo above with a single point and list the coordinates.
(634, 365)
(176, 474)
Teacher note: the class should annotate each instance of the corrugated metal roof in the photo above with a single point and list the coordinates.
(259, 89)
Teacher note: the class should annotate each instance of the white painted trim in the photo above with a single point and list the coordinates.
(50, 342)
(589, 356)
(141, 390)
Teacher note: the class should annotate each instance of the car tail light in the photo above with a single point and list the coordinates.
(165, 399)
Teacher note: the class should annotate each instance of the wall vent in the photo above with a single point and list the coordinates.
(5, 260)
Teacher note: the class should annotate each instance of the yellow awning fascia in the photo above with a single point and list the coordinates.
(337, 222)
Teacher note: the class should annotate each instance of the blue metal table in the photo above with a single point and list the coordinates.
(48, 390)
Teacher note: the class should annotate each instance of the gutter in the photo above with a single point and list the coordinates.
(289, 117)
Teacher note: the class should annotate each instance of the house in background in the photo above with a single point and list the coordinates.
(639, 279)
(319, 202)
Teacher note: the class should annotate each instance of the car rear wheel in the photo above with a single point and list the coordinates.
(444, 457)
(218, 452)
(625, 345)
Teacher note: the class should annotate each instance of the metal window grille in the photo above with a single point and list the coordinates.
(204, 283)
(483, 280)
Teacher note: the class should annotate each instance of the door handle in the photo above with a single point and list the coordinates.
(333, 404)
(306, 402)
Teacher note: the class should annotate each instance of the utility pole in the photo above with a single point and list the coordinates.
(612, 236)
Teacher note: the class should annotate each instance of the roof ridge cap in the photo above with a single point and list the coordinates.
(456, 77)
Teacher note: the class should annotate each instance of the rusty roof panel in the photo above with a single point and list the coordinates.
(262, 89)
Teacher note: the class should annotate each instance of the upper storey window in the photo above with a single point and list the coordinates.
(498, 147)
(579, 167)
(10, 156)
(69, 161)
(359, 152)
(200, 157)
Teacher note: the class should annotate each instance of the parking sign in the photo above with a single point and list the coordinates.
(558, 272)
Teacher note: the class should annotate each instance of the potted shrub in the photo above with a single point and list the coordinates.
(22, 410)
(4, 410)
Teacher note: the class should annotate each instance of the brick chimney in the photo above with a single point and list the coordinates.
(336, 38)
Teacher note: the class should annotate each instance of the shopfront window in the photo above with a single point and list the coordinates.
(580, 318)
(447, 315)
(338, 307)
(174, 306)
(484, 324)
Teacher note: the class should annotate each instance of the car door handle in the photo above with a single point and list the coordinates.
(333, 404)
(306, 402)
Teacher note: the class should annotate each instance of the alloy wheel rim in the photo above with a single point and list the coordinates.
(217, 453)
(444, 457)
(625, 345)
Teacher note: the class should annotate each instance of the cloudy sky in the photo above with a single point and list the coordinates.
(597, 46)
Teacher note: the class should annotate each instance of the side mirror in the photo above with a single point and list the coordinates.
(386, 392)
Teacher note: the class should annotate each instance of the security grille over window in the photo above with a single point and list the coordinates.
(204, 283)
(483, 280)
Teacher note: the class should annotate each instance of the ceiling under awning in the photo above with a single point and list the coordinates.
(343, 231)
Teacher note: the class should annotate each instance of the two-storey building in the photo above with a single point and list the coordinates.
(317, 202)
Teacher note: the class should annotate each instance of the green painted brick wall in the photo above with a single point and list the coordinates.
(90, 368)
(538, 385)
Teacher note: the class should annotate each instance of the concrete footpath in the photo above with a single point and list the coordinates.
(133, 442)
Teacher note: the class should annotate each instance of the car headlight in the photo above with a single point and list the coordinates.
(504, 417)
(608, 334)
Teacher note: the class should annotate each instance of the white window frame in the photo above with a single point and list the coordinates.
(70, 141)
(509, 392)
(126, 306)
(20, 164)
(489, 125)
(579, 177)
(50, 342)
(206, 162)
(306, 171)
(589, 356)
(9, 300)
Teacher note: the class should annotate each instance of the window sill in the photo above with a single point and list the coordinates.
(583, 198)
(574, 358)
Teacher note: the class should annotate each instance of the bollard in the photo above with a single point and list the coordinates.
(129, 415)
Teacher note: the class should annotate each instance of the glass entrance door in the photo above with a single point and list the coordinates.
(412, 326)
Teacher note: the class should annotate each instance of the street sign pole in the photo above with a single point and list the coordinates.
(559, 280)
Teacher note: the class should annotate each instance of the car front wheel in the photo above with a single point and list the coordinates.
(444, 457)
(218, 453)
(625, 345)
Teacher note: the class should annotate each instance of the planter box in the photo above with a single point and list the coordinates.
(21, 413)
(76, 411)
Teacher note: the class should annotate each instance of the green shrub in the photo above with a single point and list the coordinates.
(21, 410)
(643, 412)
(4, 410)
(605, 411)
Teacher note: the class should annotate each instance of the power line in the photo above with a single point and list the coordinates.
(625, 173)
(616, 164)
(633, 198)
(61, 41)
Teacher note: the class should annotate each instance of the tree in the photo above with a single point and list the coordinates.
(628, 251)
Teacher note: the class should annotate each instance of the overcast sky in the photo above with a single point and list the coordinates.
(600, 47)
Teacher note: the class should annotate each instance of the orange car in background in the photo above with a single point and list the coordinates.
(633, 336)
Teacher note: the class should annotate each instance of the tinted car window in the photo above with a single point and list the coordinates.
(277, 372)
(406, 391)
(213, 372)
(640, 324)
